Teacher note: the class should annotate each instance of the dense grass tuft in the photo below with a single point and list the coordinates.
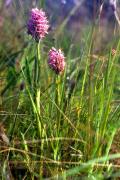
(59, 126)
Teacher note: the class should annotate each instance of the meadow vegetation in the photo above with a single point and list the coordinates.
(57, 125)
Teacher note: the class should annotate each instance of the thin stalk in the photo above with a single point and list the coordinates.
(56, 145)
(38, 117)
(57, 101)
(38, 78)
(91, 91)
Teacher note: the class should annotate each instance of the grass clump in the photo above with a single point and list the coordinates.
(60, 125)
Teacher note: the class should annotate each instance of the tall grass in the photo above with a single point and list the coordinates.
(60, 126)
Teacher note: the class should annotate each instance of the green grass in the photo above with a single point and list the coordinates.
(62, 126)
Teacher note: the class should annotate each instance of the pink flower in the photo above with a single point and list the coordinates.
(56, 60)
(38, 24)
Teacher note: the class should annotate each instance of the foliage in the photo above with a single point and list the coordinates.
(60, 126)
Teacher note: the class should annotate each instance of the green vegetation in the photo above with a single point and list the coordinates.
(58, 126)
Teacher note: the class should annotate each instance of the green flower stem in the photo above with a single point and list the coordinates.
(37, 89)
(57, 102)
(38, 79)
(38, 117)
(57, 98)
